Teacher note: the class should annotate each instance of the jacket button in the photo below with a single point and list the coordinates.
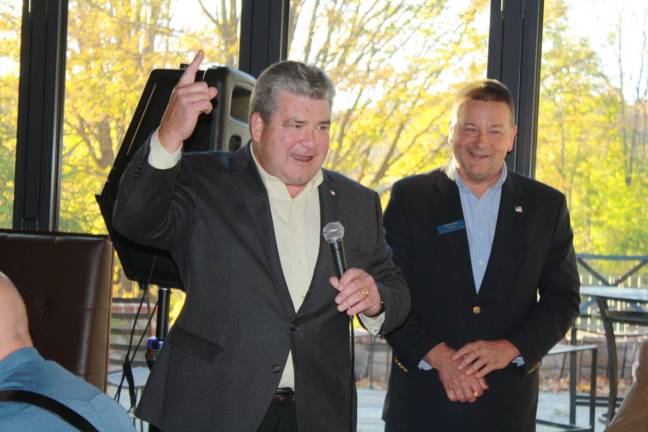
(293, 327)
(276, 368)
(476, 310)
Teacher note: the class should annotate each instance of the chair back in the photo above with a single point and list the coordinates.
(66, 283)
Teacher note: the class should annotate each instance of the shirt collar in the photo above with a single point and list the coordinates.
(277, 189)
(17, 358)
(464, 188)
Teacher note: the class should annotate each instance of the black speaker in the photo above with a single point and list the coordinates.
(225, 128)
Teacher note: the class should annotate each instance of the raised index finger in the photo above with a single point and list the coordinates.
(189, 75)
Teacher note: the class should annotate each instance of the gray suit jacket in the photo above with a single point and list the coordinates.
(224, 357)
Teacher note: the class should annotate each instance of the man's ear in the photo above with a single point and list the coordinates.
(513, 135)
(256, 126)
(451, 131)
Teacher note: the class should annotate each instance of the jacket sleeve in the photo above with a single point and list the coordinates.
(155, 207)
(559, 297)
(411, 341)
(389, 279)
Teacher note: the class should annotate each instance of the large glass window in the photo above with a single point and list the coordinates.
(112, 47)
(593, 120)
(10, 25)
(395, 66)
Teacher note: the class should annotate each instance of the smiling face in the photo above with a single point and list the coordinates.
(293, 144)
(481, 134)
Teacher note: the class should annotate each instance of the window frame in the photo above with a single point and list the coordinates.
(515, 42)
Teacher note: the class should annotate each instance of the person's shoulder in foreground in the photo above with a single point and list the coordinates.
(23, 368)
(632, 416)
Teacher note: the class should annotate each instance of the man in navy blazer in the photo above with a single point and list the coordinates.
(490, 263)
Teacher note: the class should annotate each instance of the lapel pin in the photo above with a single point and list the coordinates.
(518, 209)
(332, 192)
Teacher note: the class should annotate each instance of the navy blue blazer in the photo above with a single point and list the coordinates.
(529, 296)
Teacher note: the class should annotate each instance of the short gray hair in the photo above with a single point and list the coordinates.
(294, 77)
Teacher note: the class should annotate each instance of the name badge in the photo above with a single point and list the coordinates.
(452, 226)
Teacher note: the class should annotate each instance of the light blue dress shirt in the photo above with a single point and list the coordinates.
(25, 369)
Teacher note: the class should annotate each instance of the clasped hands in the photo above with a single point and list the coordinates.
(358, 293)
(462, 372)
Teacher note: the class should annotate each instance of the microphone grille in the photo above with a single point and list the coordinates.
(333, 231)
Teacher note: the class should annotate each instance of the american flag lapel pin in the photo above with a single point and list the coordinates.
(518, 209)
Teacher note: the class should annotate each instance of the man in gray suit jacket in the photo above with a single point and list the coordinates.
(262, 342)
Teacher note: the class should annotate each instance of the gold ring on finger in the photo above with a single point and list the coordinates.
(365, 292)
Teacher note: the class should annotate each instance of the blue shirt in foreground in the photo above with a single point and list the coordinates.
(25, 369)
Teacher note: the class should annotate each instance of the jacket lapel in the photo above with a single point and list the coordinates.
(446, 204)
(507, 238)
(328, 213)
(258, 206)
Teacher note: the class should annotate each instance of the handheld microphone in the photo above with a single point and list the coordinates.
(333, 233)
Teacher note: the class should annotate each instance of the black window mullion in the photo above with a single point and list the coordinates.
(515, 45)
(264, 34)
(40, 114)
